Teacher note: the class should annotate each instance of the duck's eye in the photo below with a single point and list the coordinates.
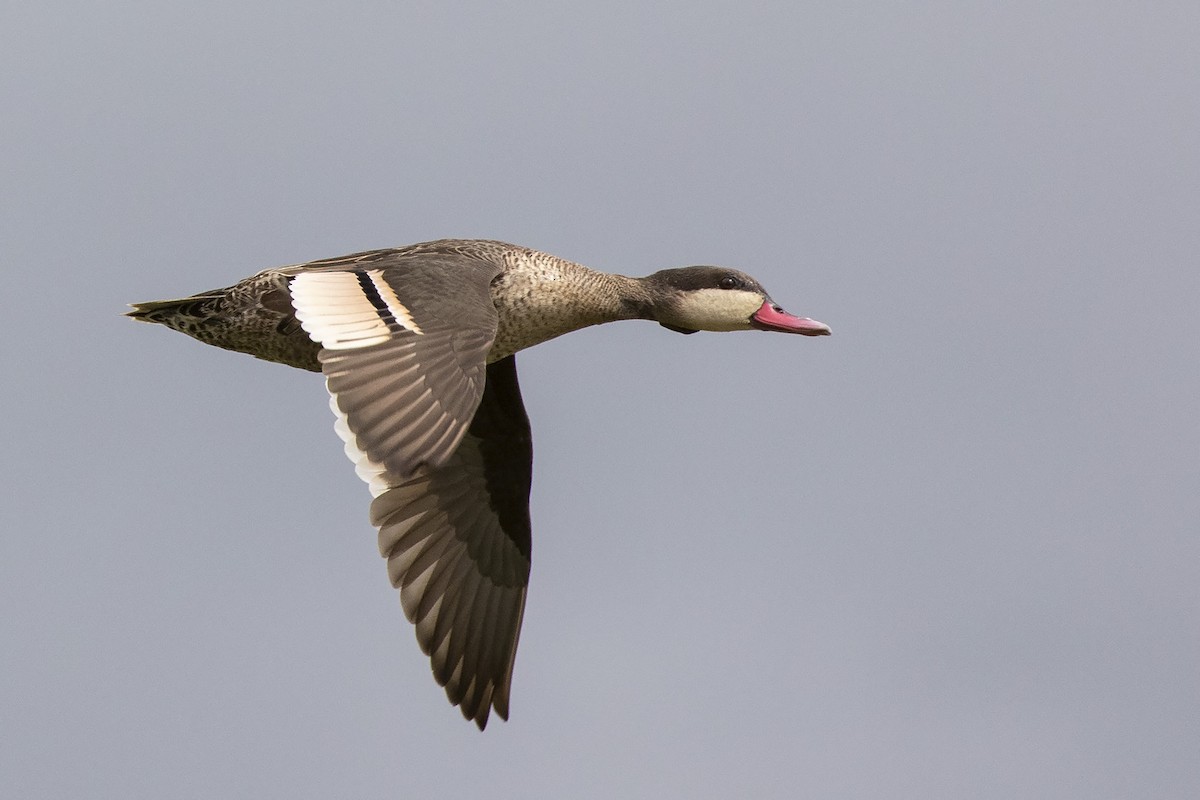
(728, 282)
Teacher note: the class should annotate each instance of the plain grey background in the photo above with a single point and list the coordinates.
(950, 551)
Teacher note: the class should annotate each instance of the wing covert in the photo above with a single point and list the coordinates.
(404, 340)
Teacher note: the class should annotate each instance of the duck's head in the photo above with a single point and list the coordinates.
(690, 299)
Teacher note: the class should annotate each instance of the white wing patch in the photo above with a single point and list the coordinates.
(398, 309)
(375, 474)
(335, 311)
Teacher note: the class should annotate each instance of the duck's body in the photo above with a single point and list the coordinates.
(416, 344)
(537, 297)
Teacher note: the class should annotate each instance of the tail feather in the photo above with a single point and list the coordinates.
(161, 310)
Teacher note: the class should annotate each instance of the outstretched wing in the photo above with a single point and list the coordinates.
(457, 541)
(404, 340)
(444, 442)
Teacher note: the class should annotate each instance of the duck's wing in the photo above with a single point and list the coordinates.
(444, 443)
(457, 541)
(404, 339)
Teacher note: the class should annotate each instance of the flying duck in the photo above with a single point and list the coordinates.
(417, 347)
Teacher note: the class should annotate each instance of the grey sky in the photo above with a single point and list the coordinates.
(951, 551)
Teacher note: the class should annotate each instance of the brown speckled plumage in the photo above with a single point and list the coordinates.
(254, 316)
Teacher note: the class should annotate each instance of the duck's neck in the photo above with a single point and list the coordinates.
(543, 297)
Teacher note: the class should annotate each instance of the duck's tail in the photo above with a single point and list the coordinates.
(255, 318)
(167, 312)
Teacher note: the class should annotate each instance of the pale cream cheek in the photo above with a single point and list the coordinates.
(719, 309)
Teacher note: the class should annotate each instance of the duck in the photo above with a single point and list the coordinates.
(417, 345)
